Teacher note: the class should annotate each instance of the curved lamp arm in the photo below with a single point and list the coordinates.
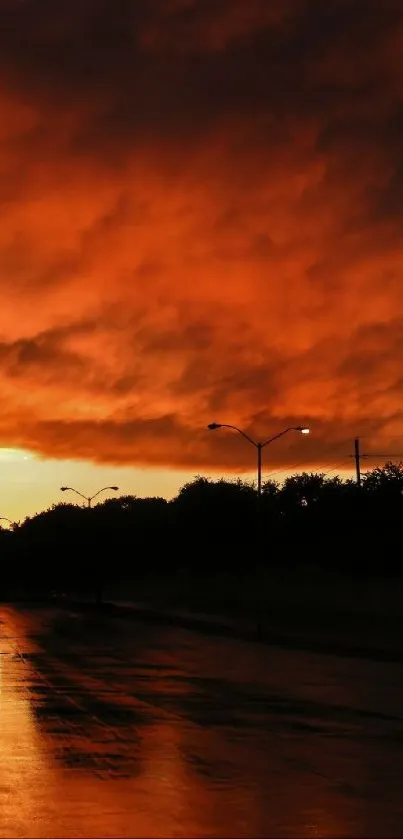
(104, 489)
(214, 425)
(280, 434)
(71, 489)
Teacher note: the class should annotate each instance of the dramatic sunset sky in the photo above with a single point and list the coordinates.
(202, 219)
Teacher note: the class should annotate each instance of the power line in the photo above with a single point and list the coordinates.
(358, 455)
(381, 436)
(329, 450)
(281, 474)
(338, 465)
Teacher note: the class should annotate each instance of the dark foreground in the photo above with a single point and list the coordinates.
(117, 728)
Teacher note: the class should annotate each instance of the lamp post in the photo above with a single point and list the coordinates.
(88, 498)
(259, 446)
(4, 518)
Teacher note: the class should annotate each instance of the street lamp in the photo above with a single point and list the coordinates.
(4, 518)
(213, 426)
(88, 498)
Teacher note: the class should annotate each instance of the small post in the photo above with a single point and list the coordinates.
(259, 622)
(259, 447)
(357, 460)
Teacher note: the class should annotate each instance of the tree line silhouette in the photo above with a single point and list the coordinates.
(311, 522)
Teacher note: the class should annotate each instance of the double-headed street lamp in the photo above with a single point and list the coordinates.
(213, 426)
(88, 498)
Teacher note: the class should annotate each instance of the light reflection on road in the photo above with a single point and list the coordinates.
(25, 769)
(126, 730)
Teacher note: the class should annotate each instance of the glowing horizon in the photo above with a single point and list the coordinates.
(29, 484)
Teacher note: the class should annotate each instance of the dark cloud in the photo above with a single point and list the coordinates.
(215, 188)
(144, 69)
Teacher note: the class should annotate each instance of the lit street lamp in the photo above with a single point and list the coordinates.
(213, 426)
(88, 498)
(259, 446)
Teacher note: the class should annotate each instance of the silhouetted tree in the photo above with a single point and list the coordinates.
(209, 531)
(214, 518)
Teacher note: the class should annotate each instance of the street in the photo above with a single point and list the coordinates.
(121, 729)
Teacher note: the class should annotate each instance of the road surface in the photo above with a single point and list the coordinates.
(122, 729)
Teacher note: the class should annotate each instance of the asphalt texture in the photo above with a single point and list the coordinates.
(121, 728)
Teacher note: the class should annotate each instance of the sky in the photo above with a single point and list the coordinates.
(202, 207)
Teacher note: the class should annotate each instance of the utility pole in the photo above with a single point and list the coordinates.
(357, 460)
(358, 455)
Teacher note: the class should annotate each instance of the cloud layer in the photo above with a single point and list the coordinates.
(202, 206)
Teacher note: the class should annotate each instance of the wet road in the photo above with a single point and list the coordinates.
(132, 730)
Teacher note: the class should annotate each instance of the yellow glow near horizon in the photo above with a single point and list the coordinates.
(14, 454)
(30, 483)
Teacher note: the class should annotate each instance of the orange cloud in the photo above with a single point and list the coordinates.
(202, 209)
